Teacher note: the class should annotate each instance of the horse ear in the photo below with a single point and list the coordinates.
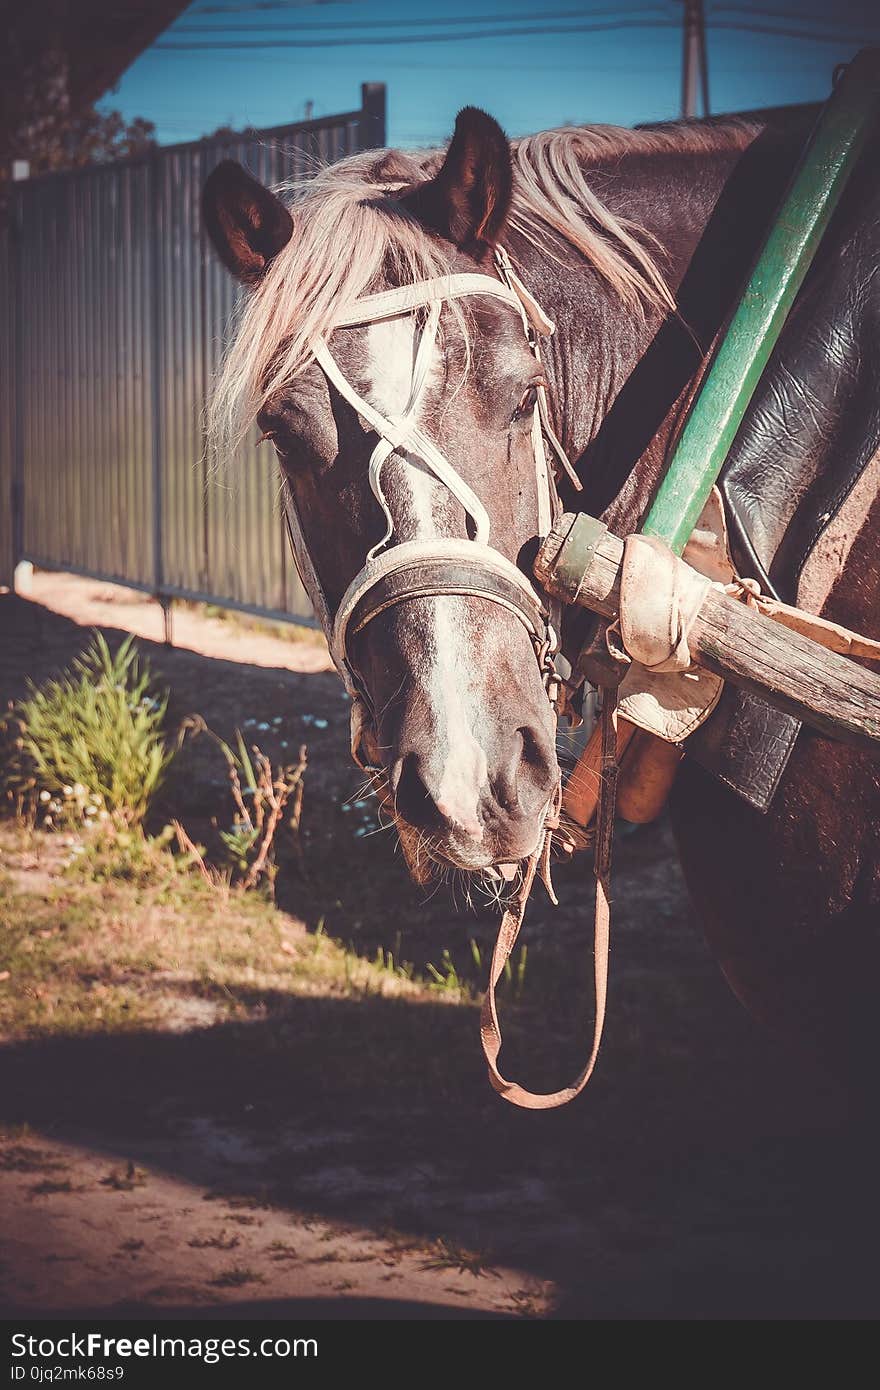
(247, 224)
(469, 199)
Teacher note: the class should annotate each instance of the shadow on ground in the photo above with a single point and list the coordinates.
(702, 1176)
(663, 1200)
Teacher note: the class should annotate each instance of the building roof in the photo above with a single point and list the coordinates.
(105, 36)
(99, 38)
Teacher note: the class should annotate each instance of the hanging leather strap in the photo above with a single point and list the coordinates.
(490, 1028)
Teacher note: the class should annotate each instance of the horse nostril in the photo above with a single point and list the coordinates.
(537, 751)
(505, 783)
(431, 803)
(412, 799)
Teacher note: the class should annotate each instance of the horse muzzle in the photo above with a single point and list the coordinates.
(474, 806)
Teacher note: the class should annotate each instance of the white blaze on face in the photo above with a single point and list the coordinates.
(410, 489)
(465, 770)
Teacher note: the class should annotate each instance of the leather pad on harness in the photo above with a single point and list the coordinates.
(811, 431)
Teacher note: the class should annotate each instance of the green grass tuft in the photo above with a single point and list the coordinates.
(90, 745)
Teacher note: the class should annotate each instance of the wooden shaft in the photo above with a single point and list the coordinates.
(580, 563)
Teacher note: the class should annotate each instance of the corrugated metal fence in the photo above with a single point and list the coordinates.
(111, 323)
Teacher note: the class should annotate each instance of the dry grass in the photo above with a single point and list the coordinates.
(122, 934)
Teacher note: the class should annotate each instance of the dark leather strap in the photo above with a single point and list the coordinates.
(746, 744)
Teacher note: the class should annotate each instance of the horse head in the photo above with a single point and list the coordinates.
(408, 429)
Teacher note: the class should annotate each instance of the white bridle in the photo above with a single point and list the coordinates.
(394, 573)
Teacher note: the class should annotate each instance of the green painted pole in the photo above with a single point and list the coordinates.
(844, 126)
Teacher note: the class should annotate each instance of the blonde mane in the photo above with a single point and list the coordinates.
(349, 229)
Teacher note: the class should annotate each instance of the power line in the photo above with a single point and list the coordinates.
(625, 69)
(762, 13)
(538, 32)
(292, 8)
(794, 33)
(519, 17)
(265, 5)
(423, 38)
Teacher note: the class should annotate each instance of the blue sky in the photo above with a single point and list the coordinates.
(562, 65)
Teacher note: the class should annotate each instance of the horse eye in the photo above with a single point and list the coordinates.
(527, 404)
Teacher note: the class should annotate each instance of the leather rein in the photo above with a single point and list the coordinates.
(396, 573)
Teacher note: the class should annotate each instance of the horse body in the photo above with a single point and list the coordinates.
(789, 899)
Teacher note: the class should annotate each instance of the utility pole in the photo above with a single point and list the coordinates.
(694, 67)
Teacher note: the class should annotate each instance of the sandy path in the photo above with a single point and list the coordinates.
(91, 603)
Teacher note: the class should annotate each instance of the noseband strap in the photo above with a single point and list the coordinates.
(420, 569)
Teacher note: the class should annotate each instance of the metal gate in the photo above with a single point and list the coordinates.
(111, 323)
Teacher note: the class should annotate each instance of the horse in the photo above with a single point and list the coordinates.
(412, 424)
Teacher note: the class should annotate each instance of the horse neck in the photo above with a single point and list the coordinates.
(619, 379)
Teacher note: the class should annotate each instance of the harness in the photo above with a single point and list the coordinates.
(395, 573)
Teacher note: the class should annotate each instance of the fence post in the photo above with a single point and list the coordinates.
(17, 403)
(372, 125)
(157, 433)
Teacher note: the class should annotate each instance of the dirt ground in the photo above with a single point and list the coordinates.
(247, 1169)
